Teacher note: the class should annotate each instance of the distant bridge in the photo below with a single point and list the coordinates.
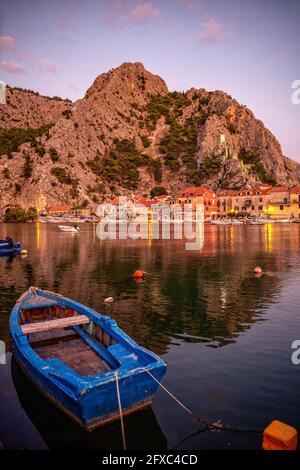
(6, 208)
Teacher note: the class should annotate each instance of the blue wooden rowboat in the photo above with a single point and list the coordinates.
(77, 357)
(7, 249)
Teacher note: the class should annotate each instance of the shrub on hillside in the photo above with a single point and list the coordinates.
(18, 215)
(11, 139)
(158, 191)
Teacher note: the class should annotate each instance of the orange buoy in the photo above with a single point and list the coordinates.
(280, 436)
(138, 274)
(257, 270)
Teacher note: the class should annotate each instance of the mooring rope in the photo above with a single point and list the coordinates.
(209, 426)
(120, 411)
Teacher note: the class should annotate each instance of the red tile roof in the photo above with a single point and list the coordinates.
(254, 192)
(198, 191)
(145, 202)
(295, 189)
(59, 208)
(280, 189)
(265, 186)
(228, 192)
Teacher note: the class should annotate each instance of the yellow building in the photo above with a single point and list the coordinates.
(295, 201)
(280, 204)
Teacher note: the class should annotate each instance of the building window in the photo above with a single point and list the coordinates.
(260, 208)
(281, 208)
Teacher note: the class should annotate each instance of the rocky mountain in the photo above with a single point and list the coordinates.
(128, 135)
(28, 109)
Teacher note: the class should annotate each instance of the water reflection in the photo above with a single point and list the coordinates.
(59, 432)
(208, 293)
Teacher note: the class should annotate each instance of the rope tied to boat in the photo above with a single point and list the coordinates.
(120, 411)
(208, 426)
(33, 291)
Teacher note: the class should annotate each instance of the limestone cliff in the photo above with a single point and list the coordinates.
(127, 135)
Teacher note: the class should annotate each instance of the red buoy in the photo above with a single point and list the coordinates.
(138, 274)
(257, 270)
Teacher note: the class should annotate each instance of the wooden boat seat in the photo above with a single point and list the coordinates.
(53, 324)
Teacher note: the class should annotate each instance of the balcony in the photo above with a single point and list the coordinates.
(279, 203)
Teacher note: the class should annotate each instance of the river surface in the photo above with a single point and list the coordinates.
(225, 334)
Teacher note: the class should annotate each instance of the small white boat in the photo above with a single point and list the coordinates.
(284, 221)
(266, 221)
(68, 228)
(236, 222)
(221, 222)
(255, 222)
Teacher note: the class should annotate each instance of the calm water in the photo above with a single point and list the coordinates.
(225, 334)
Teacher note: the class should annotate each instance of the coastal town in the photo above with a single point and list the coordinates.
(280, 203)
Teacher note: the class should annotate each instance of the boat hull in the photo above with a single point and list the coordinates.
(65, 228)
(89, 412)
(71, 409)
(5, 249)
(92, 401)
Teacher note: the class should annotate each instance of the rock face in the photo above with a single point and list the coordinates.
(26, 108)
(127, 135)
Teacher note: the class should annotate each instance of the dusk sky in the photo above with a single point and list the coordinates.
(250, 49)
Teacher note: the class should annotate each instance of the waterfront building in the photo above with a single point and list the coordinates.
(295, 201)
(200, 196)
(284, 203)
(58, 210)
(226, 202)
(252, 202)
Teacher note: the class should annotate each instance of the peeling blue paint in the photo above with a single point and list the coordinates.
(91, 400)
(5, 249)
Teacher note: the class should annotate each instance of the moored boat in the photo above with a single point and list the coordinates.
(80, 359)
(266, 220)
(221, 222)
(284, 221)
(68, 228)
(255, 222)
(10, 249)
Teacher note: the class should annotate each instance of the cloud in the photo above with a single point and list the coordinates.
(144, 12)
(116, 12)
(46, 65)
(213, 31)
(7, 43)
(127, 11)
(12, 67)
(190, 4)
(61, 24)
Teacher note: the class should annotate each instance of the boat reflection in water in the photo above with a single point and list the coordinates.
(59, 432)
